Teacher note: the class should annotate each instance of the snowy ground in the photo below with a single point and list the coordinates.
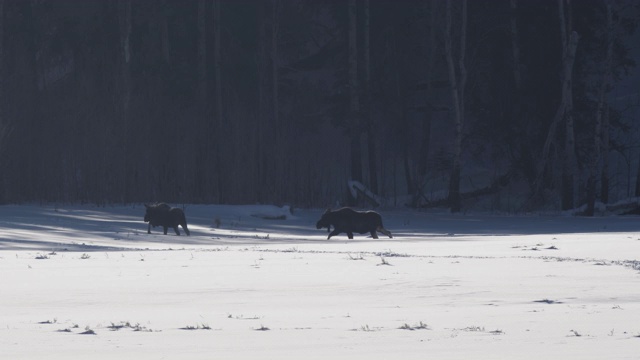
(89, 283)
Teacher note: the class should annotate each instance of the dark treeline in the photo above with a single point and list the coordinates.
(426, 103)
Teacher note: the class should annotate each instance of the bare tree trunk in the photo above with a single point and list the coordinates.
(124, 21)
(569, 45)
(604, 178)
(372, 128)
(569, 38)
(263, 114)
(274, 65)
(515, 46)
(636, 192)
(597, 140)
(202, 57)
(519, 116)
(202, 163)
(217, 69)
(275, 106)
(354, 100)
(2, 113)
(402, 102)
(5, 128)
(268, 132)
(34, 164)
(457, 80)
(425, 141)
(3, 122)
(411, 187)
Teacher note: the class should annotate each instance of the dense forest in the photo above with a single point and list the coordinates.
(505, 104)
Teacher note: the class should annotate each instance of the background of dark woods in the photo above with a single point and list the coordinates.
(427, 103)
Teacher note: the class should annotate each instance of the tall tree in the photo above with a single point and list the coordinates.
(599, 118)
(3, 122)
(5, 128)
(569, 45)
(217, 74)
(34, 161)
(354, 97)
(124, 23)
(425, 140)
(269, 146)
(275, 98)
(515, 45)
(205, 142)
(372, 126)
(604, 175)
(457, 83)
(563, 114)
(202, 58)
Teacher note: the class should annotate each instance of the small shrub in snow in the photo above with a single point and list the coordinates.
(390, 253)
(197, 327)
(548, 301)
(128, 325)
(420, 326)
(383, 261)
(88, 331)
(115, 327)
(242, 317)
(262, 328)
(366, 328)
(474, 329)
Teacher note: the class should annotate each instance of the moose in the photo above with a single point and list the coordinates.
(349, 221)
(161, 214)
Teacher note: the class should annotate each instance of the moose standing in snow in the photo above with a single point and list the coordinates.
(348, 221)
(166, 216)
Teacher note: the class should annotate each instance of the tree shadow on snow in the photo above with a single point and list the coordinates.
(90, 228)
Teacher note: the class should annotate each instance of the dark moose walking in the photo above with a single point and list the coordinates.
(349, 221)
(166, 216)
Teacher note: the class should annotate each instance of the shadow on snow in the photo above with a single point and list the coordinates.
(90, 228)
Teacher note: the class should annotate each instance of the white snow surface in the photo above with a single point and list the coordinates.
(85, 282)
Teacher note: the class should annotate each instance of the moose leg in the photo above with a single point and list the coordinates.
(165, 230)
(184, 227)
(385, 231)
(350, 235)
(333, 233)
(149, 229)
(175, 228)
(374, 234)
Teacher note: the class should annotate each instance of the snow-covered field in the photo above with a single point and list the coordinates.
(86, 282)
